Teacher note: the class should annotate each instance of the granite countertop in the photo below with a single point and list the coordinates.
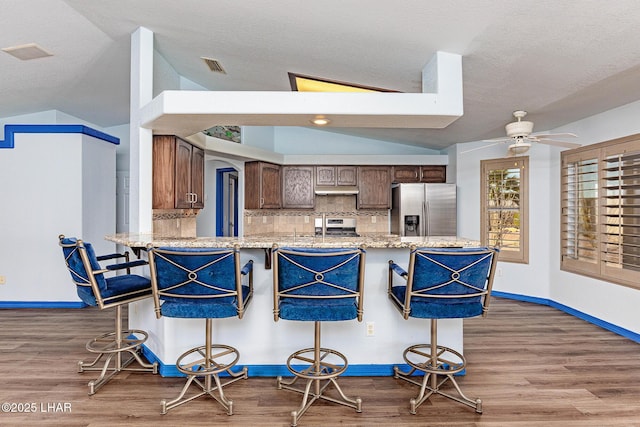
(373, 240)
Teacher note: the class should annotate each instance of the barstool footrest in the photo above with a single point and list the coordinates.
(314, 375)
(419, 358)
(108, 345)
(206, 376)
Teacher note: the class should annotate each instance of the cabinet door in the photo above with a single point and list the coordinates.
(197, 177)
(374, 185)
(297, 187)
(326, 175)
(433, 173)
(262, 186)
(347, 175)
(164, 159)
(406, 174)
(270, 194)
(183, 175)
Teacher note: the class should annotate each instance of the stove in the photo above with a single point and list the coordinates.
(337, 227)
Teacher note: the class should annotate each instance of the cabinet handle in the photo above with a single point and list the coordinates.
(195, 198)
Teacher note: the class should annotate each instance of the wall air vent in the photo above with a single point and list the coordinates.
(213, 65)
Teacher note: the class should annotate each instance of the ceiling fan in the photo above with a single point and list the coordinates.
(520, 136)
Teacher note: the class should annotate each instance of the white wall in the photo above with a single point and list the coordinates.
(300, 140)
(542, 277)
(606, 301)
(56, 184)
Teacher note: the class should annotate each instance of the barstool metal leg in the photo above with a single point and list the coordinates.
(208, 367)
(434, 364)
(319, 369)
(112, 346)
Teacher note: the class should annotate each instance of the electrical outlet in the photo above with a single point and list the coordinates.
(306, 219)
(264, 219)
(499, 272)
(371, 329)
(3, 280)
(373, 219)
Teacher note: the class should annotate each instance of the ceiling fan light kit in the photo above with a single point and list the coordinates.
(519, 148)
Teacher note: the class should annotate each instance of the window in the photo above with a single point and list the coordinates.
(601, 211)
(505, 212)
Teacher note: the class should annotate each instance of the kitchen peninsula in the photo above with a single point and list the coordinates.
(264, 344)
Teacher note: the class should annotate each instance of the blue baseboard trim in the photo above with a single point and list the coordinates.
(272, 371)
(42, 304)
(11, 130)
(633, 336)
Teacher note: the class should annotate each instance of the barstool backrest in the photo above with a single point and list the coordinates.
(449, 282)
(84, 268)
(181, 276)
(331, 279)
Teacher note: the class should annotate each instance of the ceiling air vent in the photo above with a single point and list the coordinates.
(26, 52)
(213, 65)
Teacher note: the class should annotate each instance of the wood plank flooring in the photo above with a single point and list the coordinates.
(531, 365)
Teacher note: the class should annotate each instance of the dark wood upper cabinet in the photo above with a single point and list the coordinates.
(347, 175)
(374, 185)
(433, 173)
(336, 175)
(197, 176)
(178, 174)
(297, 187)
(415, 173)
(403, 174)
(326, 175)
(262, 186)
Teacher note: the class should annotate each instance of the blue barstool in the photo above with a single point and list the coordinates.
(95, 289)
(317, 285)
(441, 283)
(202, 283)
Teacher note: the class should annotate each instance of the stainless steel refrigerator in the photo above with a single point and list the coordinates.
(423, 210)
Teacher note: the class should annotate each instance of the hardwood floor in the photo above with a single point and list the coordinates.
(531, 365)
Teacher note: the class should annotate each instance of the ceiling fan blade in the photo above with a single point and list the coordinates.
(481, 147)
(501, 139)
(553, 135)
(564, 144)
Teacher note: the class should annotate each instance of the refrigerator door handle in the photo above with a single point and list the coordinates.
(425, 219)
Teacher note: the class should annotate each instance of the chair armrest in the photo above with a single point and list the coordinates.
(248, 267)
(124, 265)
(111, 256)
(397, 269)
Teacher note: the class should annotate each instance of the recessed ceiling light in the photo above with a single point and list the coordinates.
(320, 121)
(26, 52)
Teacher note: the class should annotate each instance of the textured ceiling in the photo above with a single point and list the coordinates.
(560, 61)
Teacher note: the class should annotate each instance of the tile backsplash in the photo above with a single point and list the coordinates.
(301, 221)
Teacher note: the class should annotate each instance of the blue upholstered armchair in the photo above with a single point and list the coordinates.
(441, 283)
(203, 283)
(317, 285)
(97, 287)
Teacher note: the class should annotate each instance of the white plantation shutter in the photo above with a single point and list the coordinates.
(601, 211)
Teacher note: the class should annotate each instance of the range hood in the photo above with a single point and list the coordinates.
(335, 190)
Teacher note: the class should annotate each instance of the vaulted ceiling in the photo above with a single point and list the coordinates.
(560, 61)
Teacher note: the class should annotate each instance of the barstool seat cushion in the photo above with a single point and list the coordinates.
(198, 308)
(118, 288)
(430, 308)
(323, 310)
